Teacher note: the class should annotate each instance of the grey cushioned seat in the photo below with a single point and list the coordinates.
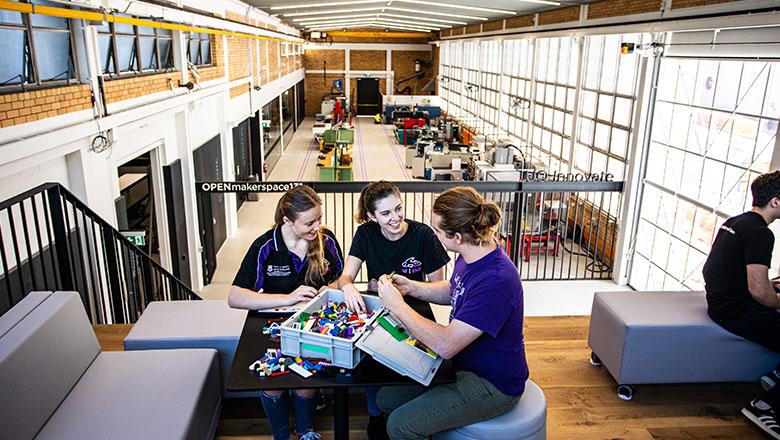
(190, 324)
(157, 394)
(526, 421)
(667, 337)
(56, 383)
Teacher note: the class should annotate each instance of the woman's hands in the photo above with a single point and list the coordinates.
(353, 298)
(391, 297)
(302, 293)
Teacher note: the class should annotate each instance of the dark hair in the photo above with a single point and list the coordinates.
(765, 187)
(463, 210)
(370, 195)
(294, 202)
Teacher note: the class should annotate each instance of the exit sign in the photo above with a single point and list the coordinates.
(138, 238)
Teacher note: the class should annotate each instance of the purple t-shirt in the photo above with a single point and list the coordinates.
(487, 294)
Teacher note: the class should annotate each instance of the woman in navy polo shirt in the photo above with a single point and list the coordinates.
(484, 337)
(284, 266)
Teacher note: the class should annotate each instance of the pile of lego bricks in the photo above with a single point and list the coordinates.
(334, 319)
(274, 364)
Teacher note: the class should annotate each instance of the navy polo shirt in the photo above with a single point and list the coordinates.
(270, 266)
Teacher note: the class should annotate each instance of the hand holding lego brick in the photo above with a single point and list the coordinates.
(404, 285)
(389, 294)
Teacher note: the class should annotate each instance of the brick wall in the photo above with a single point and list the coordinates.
(312, 59)
(614, 8)
(19, 108)
(403, 66)
(445, 32)
(473, 28)
(274, 67)
(117, 90)
(519, 22)
(217, 69)
(367, 59)
(493, 26)
(560, 15)
(239, 90)
(371, 35)
(315, 89)
(238, 58)
(679, 4)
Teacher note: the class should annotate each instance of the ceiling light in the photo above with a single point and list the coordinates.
(372, 22)
(541, 2)
(303, 20)
(333, 11)
(385, 14)
(406, 23)
(442, 14)
(418, 2)
(353, 20)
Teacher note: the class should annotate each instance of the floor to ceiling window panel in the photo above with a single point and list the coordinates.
(714, 131)
(516, 89)
(470, 93)
(553, 106)
(489, 88)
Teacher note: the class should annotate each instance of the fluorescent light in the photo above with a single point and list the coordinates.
(303, 20)
(406, 23)
(366, 22)
(541, 2)
(418, 2)
(333, 11)
(441, 14)
(450, 5)
(385, 14)
(318, 5)
(352, 26)
(353, 20)
(406, 28)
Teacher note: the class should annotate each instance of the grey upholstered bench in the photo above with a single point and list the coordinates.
(57, 384)
(191, 324)
(667, 337)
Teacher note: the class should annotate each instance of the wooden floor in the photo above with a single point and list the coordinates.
(582, 401)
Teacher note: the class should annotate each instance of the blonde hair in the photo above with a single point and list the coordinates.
(294, 202)
(463, 210)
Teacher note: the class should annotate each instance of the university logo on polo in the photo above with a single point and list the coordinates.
(278, 271)
(411, 265)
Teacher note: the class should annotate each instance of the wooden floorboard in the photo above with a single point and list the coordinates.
(581, 399)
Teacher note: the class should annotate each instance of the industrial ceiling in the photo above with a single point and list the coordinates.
(403, 15)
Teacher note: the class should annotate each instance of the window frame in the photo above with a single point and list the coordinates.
(187, 38)
(136, 57)
(31, 57)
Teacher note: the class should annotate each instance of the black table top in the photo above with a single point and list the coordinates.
(253, 345)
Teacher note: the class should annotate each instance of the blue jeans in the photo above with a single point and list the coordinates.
(373, 408)
(278, 412)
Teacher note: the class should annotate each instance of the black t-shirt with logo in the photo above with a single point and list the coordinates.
(270, 266)
(414, 255)
(741, 240)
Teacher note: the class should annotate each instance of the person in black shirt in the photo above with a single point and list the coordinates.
(740, 296)
(388, 243)
(284, 266)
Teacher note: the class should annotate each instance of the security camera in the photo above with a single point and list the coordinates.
(257, 88)
(188, 85)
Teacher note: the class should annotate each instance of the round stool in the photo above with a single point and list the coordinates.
(526, 421)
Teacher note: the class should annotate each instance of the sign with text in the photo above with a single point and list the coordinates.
(235, 187)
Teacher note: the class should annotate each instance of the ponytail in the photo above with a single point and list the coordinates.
(463, 210)
(371, 194)
(294, 202)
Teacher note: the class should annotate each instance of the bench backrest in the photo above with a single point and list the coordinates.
(46, 346)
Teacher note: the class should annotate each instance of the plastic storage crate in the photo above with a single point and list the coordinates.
(338, 351)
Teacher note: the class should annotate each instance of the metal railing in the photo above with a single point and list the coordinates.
(550, 230)
(50, 240)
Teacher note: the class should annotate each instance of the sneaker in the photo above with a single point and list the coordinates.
(377, 428)
(760, 413)
(769, 380)
(311, 435)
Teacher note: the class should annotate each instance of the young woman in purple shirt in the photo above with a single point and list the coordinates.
(484, 336)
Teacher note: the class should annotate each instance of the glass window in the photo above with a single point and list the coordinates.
(126, 48)
(199, 48)
(36, 49)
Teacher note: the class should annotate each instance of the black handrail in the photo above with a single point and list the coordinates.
(51, 240)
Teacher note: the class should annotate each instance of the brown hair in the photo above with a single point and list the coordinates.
(463, 210)
(294, 202)
(370, 195)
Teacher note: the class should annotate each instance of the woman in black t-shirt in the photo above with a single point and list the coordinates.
(388, 243)
(284, 266)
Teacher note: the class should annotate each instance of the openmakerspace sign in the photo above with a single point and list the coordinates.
(233, 187)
